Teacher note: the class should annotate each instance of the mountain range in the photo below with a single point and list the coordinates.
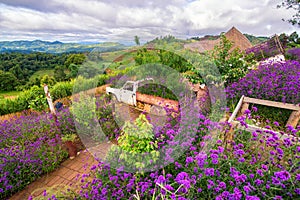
(25, 46)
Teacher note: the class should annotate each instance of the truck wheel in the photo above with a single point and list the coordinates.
(157, 110)
(114, 98)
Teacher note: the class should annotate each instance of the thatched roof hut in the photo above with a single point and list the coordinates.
(238, 39)
(234, 35)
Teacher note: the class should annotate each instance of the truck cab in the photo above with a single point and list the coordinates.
(127, 93)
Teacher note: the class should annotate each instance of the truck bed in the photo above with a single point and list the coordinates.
(158, 101)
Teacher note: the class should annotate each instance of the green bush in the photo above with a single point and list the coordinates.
(58, 91)
(20, 103)
(137, 147)
(61, 90)
(232, 64)
(84, 112)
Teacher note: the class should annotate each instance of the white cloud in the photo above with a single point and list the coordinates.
(79, 20)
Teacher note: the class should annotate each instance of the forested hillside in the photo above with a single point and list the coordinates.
(17, 68)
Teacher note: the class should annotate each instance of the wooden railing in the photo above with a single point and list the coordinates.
(243, 105)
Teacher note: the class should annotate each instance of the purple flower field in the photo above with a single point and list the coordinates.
(256, 165)
(194, 160)
(294, 53)
(274, 81)
(278, 81)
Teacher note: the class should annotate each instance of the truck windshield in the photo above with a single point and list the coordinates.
(128, 86)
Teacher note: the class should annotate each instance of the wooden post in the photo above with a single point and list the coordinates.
(236, 110)
(294, 118)
(52, 110)
(244, 107)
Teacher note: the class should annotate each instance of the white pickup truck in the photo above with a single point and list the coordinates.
(129, 94)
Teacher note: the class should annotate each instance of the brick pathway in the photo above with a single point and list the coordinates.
(65, 176)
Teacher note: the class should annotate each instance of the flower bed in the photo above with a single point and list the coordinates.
(256, 165)
(275, 81)
(191, 163)
(278, 81)
(31, 146)
(293, 54)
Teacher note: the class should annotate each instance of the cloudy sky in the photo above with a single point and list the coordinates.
(120, 20)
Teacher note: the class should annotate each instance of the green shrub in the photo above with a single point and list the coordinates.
(232, 64)
(84, 112)
(22, 102)
(137, 147)
(29, 98)
(61, 90)
(39, 103)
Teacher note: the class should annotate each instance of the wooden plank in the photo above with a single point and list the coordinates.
(245, 106)
(294, 119)
(272, 103)
(279, 44)
(252, 128)
(237, 108)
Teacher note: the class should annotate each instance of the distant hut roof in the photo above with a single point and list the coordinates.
(233, 35)
(238, 39)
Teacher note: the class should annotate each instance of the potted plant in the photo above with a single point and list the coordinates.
(69, 140)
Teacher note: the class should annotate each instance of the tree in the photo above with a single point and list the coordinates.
(231, 63)
(73, 70)
(76, 59)
(294, 40)
(59, 73)
(295, 5)
(49, 80)
(17, 71)
(8, 81)
(137, 40)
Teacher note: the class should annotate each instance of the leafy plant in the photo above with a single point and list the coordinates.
(84, 112)
(137, 146)
(231, 63)
(39, 103)
(69, 137)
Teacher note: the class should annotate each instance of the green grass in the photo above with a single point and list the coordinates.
(111, 56)
(122, 59)
(40, 73)
(6, 94)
